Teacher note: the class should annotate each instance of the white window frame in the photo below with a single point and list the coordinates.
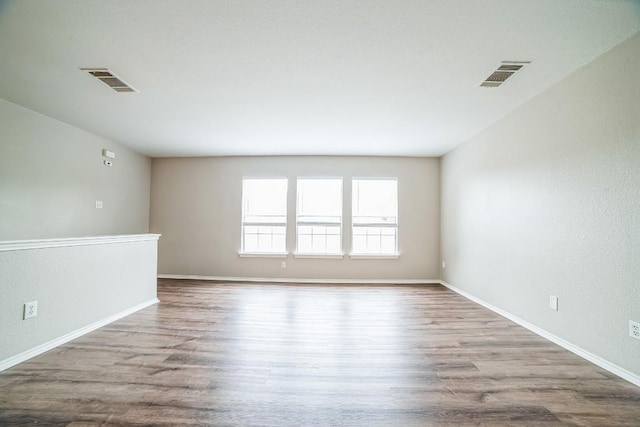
(339, 223)
(378, 255)
(277, 254)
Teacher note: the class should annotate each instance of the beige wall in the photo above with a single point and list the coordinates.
(51, 175)
(196, 206)
(547, 202)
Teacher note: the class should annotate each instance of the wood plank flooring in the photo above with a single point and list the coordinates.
(303, 355)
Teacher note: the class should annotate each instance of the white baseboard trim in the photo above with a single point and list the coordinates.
(597, 360)
(293, 280)
(19, 358)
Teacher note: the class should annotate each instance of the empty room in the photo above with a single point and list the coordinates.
(320, 213)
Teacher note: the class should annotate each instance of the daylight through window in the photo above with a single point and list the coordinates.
(264, 215)
(319, 216)
(375, 216)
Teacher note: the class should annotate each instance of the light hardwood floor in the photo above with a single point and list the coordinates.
(302, 355)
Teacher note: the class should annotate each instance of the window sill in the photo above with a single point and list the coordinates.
(262, 255)
(374, 256)
(325, 256)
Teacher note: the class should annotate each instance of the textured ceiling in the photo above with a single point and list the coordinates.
(333, 77)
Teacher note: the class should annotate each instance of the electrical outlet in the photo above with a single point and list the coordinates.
(634, 329)
(553, 302)
(444, 264)
(30, 310)
(98, 204)
(283, 264)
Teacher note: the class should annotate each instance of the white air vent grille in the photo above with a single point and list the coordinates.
(502, 73)
(497, 76)
(110, 79)
(510, 67)
(490, 84)
(124, 89)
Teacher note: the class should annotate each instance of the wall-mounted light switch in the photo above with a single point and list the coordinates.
(553, 302)
(109, 154)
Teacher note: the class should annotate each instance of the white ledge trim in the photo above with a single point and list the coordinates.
(597, 360)
(19, 245)
(374, 256)
(19, 358)
(262, 255)
(305, 281)
(319, 256)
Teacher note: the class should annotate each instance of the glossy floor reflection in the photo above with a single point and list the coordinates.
(266, 354)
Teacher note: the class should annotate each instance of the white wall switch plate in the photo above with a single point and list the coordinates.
(553, 302)
(109, 154)
(30, 310)
(283, 264)
(98, 204)
(444, 264)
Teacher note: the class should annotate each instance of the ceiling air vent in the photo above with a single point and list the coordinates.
(110, 79)
(502, 73)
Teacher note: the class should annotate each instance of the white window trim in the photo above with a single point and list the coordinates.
(318, 255)
(262, 255)
(374, 256)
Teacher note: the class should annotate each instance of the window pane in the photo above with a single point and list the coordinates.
(319, 243)
(333, 231)
(264, 243)
(251, 243)
(265, 197)
(375, 216)
(320, 197)
(264, 215)
(279, 242)
(319, 214)
(375, 198)
(304, 243)
(333, 244)
(373, 243)
(388, 245)
(359, 244)
(388, 231)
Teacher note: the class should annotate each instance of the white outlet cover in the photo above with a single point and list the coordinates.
(30, 309)
(98, 204)
(634, 329)
(553, 302)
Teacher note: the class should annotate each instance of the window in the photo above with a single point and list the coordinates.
(264, 215)
(375, 216)
(319, 216)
